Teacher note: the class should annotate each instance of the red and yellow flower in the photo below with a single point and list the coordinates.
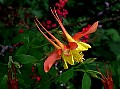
(69, 53)
(81, 46)
(61, 50)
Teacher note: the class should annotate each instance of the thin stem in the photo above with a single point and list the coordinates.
(40, 46)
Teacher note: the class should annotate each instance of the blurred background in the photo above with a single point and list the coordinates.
(17, 25)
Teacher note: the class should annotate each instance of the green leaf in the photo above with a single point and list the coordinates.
(38, 39)
(37, 53)
(23, 49)
(89, 60)
(86, 81)
(115, 47)
(66, 76)
(3, 83)
(25, 59)
(41, 71)
(93, 73)
(53, 72)
(22, 38)
(65, 21)
(24, 80)
(113, 34)
(37, 13)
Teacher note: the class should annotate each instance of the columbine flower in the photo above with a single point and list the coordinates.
(78, 55)
(61, 50)
(107, 79)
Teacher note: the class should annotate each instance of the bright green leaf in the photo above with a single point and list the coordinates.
(86, 81)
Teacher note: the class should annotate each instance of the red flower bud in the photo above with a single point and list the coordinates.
(21, 31)
(48, 22)
(57, 4)
(48, 26)
(38, 78)
(33, 69)
(54, 25)
(86, 36)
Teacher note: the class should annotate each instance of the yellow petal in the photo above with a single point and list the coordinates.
(77, 56)
(68, 58)
(65, 65)
(82, 46)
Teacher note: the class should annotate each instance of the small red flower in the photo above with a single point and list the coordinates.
(48, 22)
(84, 35)
(54, 25)
(38, 78)
(57, 4)
(33, 69)
(62, 3)
(48, 26)
(21, 31)
(35, 77)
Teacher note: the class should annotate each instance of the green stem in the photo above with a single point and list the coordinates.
(40, 46)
